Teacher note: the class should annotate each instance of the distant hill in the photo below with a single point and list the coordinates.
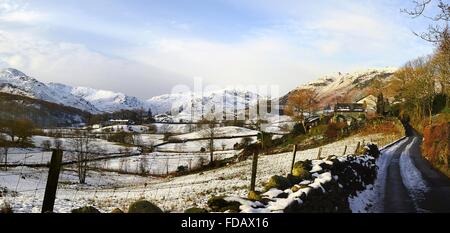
(15, 82)
(338, 87)
(95, 101)
(345, 87)
(40, 112)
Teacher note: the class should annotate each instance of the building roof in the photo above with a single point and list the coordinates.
(367, 97)
(349, 107)
(312, 119)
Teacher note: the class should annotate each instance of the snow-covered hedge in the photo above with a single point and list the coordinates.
(324, 186)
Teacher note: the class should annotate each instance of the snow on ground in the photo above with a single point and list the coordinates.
(149, 139)
(226, 131)
(279, 124)
(30, 156)
(162, 128)
(195, 146)
(175, 193)
(17, 150)
(372, 199)
(363, 201)
(219, 144)
(67, 144)
(27, 157)
(158, 163)
(123, 128)
(411, 176)
(26, 187)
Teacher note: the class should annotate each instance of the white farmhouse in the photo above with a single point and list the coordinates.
(370, 102)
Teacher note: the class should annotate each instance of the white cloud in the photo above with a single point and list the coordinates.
(22, 17)
(305, 41)
(76, 65)
(17, 12)
(265, 60)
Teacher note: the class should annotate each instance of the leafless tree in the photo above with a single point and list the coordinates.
(224, 146)
(4, 148)
(301, 102)
(57, 143)
(439, 21)
(123, 162)
(246, 141)
(46, 145)
(209, 131)
(143, 165)
(417, 87)
(84, 149)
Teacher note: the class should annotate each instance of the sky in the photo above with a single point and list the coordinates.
(145, 48)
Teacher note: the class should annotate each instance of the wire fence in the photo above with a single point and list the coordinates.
(152, 176)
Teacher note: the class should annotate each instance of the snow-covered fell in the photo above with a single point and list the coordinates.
(96, 101)
(183, 104)
(15, 82)
(180, 104)
(346, 84)
(103, 100)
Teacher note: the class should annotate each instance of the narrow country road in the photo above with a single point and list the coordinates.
(409, 183)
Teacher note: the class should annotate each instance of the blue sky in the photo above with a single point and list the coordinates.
(144, 48)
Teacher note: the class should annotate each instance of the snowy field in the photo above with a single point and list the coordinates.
(195, 146)
(108, 190)
(123, 128)
(226, 131)
(149, 139)
(33, 156)
(279, 125)
(100, 144)
(162, 128)
(160, 163)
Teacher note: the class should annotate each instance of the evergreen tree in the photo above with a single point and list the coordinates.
(380, 104)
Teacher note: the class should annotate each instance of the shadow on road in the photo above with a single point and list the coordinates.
(398, 198)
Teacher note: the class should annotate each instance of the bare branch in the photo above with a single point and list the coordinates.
(435, 30)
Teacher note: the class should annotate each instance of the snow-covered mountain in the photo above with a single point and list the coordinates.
(15, 82)
(329, 89)
(92, 100)
(184, 104)
(103, 100)
(344, 86)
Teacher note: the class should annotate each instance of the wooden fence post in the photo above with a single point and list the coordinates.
(294, 152)
(319, 153)
(357, 147)
(345, 150)
(52, 181)
(254, 169)
(167, 167)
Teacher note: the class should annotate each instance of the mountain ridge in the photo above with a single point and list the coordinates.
(330, 88)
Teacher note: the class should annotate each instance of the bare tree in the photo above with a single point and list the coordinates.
(143, 165)
(123, 162)
(441, 65)
(4, 148)
(20, 129)
(57, 143)
(209, 131)
(46, 145)
(301, 102)
(439, 21)
(84, 150)
(246, 141)
(417, 87)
